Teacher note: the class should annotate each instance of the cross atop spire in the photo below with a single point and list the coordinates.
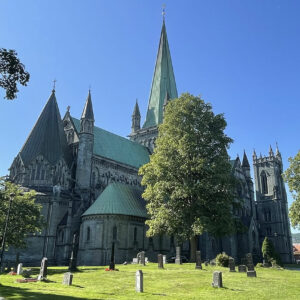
(163, 11)
(54, 83)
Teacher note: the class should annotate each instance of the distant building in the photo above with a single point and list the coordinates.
(88, 185)
(296, 252)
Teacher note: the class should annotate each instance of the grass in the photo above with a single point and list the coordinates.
(174, 282)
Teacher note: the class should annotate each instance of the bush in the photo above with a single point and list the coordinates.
(259, 265)
(222, 260)
(269, 252)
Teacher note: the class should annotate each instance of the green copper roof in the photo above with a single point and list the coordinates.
(163, 82)
(119, 199)
(47, 137)
(117, 148)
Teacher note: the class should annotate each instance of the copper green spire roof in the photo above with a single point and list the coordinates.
(119, 199)
(47, 137)
(163, 82)
(88, 108)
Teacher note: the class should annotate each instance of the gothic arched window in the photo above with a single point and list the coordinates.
(264, 182)
(88, 233)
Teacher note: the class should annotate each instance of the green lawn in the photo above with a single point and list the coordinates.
(174, 282)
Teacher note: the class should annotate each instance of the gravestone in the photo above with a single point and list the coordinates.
(206, 263)
(231, 264)
(43, 269)
(251, 273)
(146, 260)
(142, 258)
(164, 259)
(198, 260)
(266, 264)
(217, 279)
(68, 278)
(20, 269)
(112, 257)
(17, 262)
(178, 256)
(160, 261)
(139, 288)
(73, 258)
(242, 268)
(134, 260)
(249, 264)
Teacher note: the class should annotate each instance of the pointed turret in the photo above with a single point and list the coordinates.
(47, 138)
(163, 82)
(254, 156)
(271, 153)
(136, 118)
(278, 154)
(87, 117)
(245, 163)
(85, 148)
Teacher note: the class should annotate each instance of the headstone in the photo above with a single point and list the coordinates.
(43, 269)
(206, 263)
(139, 288)
(251, 273)
(178, 256)
(231, 264)
(160, 261)
(164, 259)
(134, 260)
(217, 279)
(266, 264)
(142, 258)
(249, 262)
(242, 268)
(198, 260)
(146, 260)
(20, 269)
(112, 257)
(17, 262)
(73, 258)
(68, 278)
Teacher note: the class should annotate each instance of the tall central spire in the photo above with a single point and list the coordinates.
(163, 82)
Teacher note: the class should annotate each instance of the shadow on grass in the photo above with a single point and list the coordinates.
(7, 291)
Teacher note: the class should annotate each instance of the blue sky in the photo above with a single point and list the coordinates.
(242, 56)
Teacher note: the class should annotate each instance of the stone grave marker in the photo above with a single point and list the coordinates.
(231, 264)
(20, 269)
(242, 268)
(206, 263)
(251, 273)
(139, 287)
(249, 264)
(164, 259)
(198, 260)
(134, 260)
(68, 278)
(178, 256)
(160, 261)
(43, 269)
(142, 258)
(217, 279)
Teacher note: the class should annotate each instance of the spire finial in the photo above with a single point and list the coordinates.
(163, 11)
(54, 83)
(68, 108)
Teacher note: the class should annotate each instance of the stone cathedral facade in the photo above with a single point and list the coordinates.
(88, 185)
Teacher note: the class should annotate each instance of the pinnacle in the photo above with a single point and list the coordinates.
(88, 108)
(245, 163)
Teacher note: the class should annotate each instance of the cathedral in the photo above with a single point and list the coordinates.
(88, 185)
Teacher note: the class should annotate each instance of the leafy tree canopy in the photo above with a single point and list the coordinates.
(292, 177)
(189, 181)
(12, 71)
(25, 217)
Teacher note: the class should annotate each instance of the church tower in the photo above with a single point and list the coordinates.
(136, 119)
(163, 89)
(271, 202)
(85, 149)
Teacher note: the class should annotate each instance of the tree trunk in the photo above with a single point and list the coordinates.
(193, 248)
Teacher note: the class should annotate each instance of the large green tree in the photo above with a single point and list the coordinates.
(12, 71)
(189, 182)
(25, 217)
(292, 177)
